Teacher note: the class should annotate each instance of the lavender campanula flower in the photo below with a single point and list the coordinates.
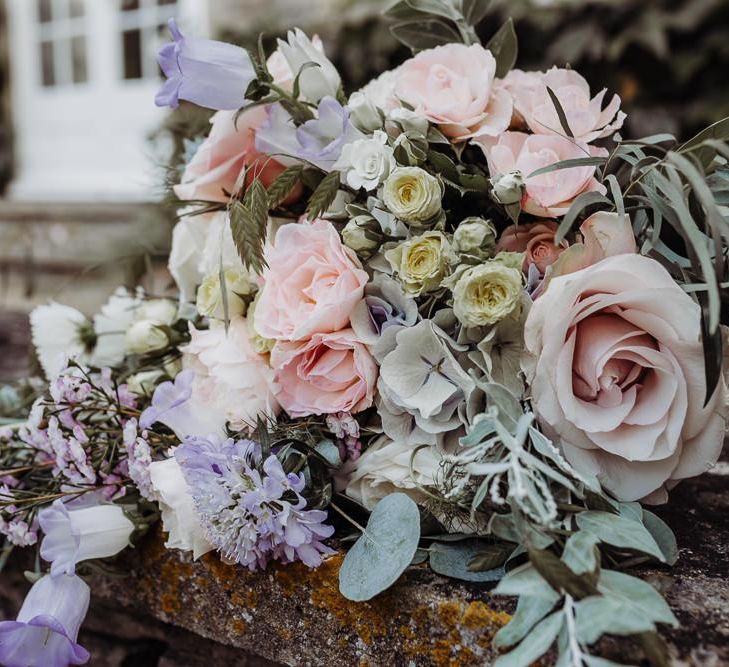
(174, 405)
(318, 141)
(250, 509)
(208, 73)
(75, 535)
(46, 629)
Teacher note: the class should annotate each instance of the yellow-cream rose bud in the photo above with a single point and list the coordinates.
(260, 344)
(159, 311)
(360, 235)
(210, 295)
(422, 262)
(145, 336)
(475, 236)
(486, 294)
(413, 195)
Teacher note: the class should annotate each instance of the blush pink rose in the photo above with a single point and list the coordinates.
(326, 374)
(219, 165)
(615, 364)
(548, 195)
(454, 86)
(536, 241)
(586, 118)
(311, 285)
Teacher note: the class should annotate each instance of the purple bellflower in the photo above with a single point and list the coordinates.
(318, 141)
(46, 629)
(210, 74)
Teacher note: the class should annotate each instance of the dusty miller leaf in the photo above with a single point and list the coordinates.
(535, 644)
(619, 531)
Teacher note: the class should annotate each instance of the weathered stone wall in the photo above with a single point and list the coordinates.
(173, 612)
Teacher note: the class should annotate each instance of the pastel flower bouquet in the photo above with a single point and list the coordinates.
(452, 318)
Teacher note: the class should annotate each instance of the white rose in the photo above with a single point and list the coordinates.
(413, 195)
(145, 336)
(366, 163)
(363, 113)
(159, 311)
(409, 120)
(210, 295)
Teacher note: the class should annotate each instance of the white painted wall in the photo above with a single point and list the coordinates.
(86, 142)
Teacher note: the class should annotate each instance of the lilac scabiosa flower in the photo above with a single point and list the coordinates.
(251, 510)
(208, 73)
(75, 535)
(318, 141)
(46, 629)
(174, 405)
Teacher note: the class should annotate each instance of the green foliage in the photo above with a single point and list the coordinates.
(248, 225)
(384, 550)
(324, 195)
(454, 560)
(504, 46)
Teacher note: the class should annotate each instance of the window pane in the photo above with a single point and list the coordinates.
(44, 11)
(78, 59)
(76, 8)
(132, 47)
(129, 5)
(47, 69)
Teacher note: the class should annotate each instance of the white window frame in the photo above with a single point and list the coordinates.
(58, 32)
(147, 19)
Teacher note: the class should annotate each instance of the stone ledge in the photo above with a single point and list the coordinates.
(296, 616)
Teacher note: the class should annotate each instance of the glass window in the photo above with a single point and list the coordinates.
(62, 42)
(143, 30)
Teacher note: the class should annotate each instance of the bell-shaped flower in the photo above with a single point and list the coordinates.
(210, 74)
(317, 81)
(87, 533)
(45, 631)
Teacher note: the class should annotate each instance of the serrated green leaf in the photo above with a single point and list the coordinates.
(384, 551)
(504, 46)
(282, 187)
(535, 644)
(619, 532)
(324, 195)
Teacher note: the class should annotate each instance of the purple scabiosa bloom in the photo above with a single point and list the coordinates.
(174, 405)
(250, 509)
(210, 74)
(318, 141)
(45, 631)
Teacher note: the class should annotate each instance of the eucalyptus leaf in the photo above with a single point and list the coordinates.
(490, 556)
(535, 644)
(384, 551)
(580, 203)
(525, 580)
(580, 552)
(663, 536)
(452, 560)
(569, 164)
(619, 531)
(560, 114)
(705, 154)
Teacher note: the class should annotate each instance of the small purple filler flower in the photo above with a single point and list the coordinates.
(210, 74)
(45, 632)
(251, 510)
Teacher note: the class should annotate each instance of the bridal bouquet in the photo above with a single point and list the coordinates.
(452, 316)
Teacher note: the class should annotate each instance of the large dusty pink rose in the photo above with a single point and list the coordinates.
(615, 364)
(311, 285)
(586, 118)
(548, 195)
(454, 86)
(218, 167)
(328, 373)
(535, 240)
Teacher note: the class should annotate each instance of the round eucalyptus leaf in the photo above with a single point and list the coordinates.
(384, 550)
(453, 559)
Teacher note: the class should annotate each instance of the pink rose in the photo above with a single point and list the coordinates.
(615, 363)
(219, 165)
(604, 235)
(547, 195)
(328, 373)
(311, 285)
(586, 118)
(536, 241)
(454, 86)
